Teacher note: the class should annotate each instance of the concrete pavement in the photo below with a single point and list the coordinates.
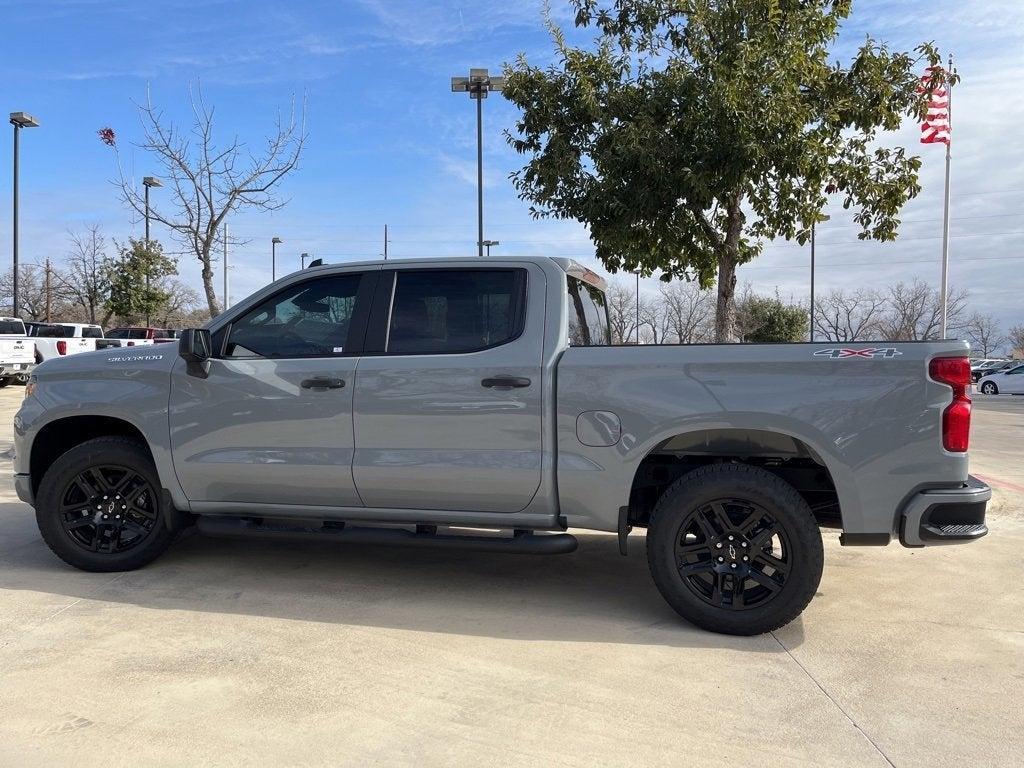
(241, 653)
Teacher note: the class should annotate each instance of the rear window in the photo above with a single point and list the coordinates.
(92, 333)
(50, 332)
(12, 328)
(588, 315)
(127, 333)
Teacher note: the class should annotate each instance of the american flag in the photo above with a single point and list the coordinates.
(935, 129)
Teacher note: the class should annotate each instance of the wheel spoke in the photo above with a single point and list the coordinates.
(97, 480)
(764, 580)
(133, 527)
(737, 590)
(721, 517)
(701, 566)
(762, 537)
(716, 589)
(693, 549)
(706, 528)
(747, 526)
(779, 565)
(74, 525)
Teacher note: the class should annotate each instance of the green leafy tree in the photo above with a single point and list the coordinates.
(695, 129)
(132, 296)
(764, 318)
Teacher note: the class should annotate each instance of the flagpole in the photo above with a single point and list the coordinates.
(943, 308)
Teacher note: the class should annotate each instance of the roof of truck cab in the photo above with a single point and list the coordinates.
(569, 266)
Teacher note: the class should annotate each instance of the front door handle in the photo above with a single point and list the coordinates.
(322, 382)
(506, 382)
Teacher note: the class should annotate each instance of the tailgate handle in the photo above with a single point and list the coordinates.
(506, 382)
(322, 382)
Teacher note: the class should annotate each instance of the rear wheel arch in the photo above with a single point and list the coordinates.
(788, 457)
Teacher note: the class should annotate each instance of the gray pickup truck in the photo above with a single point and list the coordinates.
(479, 404)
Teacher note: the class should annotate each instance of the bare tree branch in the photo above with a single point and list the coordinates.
(208, 181)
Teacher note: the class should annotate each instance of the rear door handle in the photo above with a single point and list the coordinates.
(506, 382)
(322, 382)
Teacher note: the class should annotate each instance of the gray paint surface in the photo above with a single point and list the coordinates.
(416, 437)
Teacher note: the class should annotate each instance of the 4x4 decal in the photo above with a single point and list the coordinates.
(869, 352)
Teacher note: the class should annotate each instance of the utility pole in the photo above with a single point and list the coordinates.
(47, 289)
(385, 242)
(227, 296)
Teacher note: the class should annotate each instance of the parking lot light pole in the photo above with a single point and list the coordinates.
(478, 85)
(273, 257)
(147, 182)
(19, 120)
(488, 244)
(811, 332)
(304, 256)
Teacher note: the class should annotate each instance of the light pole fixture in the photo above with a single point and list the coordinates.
(273, 257)
(811, 331)
(488, 244)
(478, 85)
(148, 182)
(304, 256)
(19, 120)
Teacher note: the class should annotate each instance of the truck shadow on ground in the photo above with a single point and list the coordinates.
(592, 595)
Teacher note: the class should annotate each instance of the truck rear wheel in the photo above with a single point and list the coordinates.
(734, 549)
(99, 506)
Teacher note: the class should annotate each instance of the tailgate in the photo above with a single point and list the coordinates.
(17, 351)
(80, 345)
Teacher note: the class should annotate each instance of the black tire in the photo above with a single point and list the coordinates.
(989, 388)
(62, 497)
(4, 382)
(695, 564)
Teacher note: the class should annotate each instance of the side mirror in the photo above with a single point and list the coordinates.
(195, 349)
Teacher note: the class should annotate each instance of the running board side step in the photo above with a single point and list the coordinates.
(522, 542)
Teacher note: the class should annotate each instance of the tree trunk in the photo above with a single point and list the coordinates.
(725, 310)
(211, 295)
(728, 258)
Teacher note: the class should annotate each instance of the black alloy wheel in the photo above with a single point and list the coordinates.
(734, 548)
(733, 554)
(108, 509)
(100, 506)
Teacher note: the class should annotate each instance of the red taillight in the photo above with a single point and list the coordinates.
(131, 344)
(956, 419)
(62, 347)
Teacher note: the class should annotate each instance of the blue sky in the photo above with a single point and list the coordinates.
(389, 143)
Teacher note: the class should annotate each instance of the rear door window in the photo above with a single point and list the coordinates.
(451, 311)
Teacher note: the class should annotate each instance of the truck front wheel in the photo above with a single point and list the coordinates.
(734, 549)
(99, 506)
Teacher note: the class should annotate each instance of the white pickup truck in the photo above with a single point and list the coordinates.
(62, 339)
(17, 353)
